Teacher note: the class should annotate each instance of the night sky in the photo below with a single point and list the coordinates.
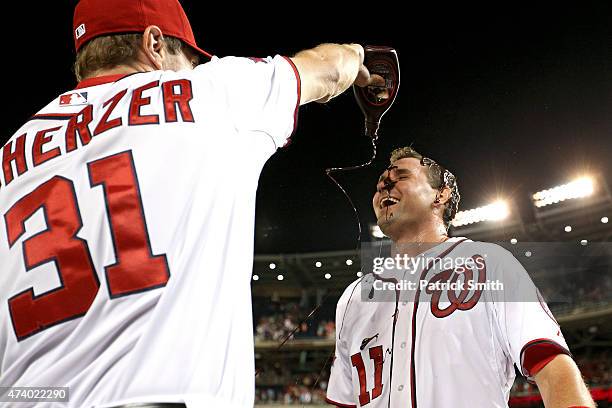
(511, 100)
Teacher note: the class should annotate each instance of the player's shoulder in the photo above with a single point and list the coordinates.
(234, 65)
(350, 307)
(350, 292)
(495, 254)
(490, 249)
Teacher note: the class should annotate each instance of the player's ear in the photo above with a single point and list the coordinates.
(442, 196)
(152, 45)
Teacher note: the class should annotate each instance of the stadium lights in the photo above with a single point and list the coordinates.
(359, 274)
(349, 262)
(255, 277)
(280, 277)
(376, 231)
(328, 276)
(497, 211)
(584, 242)
(568, 228)
(513, 241)
(579, 188)
(272, 265)
(318, 264)
(604, 220)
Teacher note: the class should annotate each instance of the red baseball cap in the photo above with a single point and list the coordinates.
(93, 18)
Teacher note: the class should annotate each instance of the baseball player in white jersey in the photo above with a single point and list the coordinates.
(446, 327)
(127, 212)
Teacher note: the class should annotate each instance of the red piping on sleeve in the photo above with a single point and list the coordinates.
(339, 404)
(537, 353)
(541, 364)
(299, 97)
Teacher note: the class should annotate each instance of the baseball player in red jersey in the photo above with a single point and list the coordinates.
(443, 346)
(125, 253)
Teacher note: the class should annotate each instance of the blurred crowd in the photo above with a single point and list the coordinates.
(287, 317)
(573, 295)
(304, 389)
(596, 368)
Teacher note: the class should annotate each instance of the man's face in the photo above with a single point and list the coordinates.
(403, 197)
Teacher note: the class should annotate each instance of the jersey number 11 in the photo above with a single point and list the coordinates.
(376, 354)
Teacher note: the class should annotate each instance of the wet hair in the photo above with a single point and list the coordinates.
(438, 178)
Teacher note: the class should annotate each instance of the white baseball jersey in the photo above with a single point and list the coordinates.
(449, 347)
(126, 234)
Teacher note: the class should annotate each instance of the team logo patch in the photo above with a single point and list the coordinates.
(73, 99)
(462, 301)
(80, 31)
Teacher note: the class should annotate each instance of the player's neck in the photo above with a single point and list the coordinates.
(120, 70)
(414, 241)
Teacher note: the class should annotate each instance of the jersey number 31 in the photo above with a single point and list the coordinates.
(136, 269)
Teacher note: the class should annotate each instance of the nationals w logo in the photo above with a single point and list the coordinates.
(457, 284)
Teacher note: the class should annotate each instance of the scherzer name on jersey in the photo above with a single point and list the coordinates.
(127, 209)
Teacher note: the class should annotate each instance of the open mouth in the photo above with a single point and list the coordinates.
(387, 202)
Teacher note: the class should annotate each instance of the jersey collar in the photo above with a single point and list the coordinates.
(105, 79)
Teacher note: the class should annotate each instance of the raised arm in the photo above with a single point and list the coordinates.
(330, 69)
(561, 384)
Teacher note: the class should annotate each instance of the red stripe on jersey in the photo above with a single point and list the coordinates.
(538, 366)
(105, 79)
(545, 307)
(537, 353)
(53, 116)
(329, 401)
(299, 97)
(414, 315)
